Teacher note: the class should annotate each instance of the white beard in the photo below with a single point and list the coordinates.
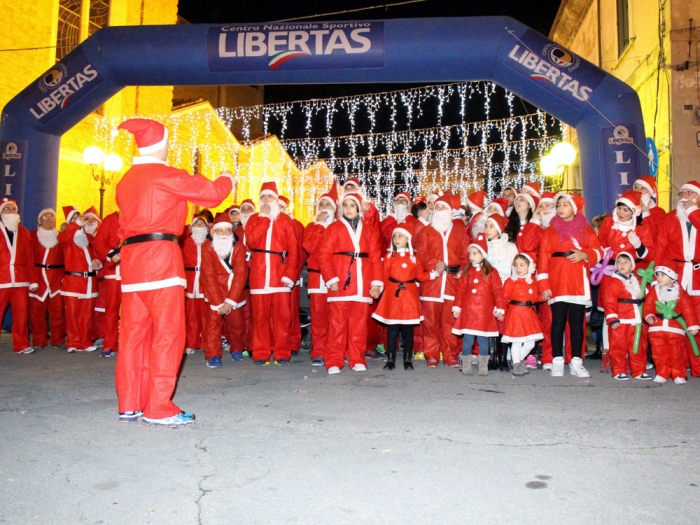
(478, 226)
(274, 210)
(222, 245)
(401, 211)
(442, 220)
(668, 293)
(80, 239)
(329, 218)
(646, 199)
(244, 218)
(546, 218)
(47, 238)
(681, 212)
(199, 235)
(11, 221)
(90, 228)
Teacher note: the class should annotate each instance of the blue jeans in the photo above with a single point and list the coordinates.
(468, 343)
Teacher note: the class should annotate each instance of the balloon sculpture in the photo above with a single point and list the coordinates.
(667, 310)
(647, 276)
(602, 268)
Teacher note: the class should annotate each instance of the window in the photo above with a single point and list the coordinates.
(623, 27)
(77, 20)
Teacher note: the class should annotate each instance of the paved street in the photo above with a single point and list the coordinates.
(294, 445)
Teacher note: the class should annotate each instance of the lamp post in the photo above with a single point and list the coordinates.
(561, 156)
(94, 156)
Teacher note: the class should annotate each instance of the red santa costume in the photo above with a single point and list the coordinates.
(152, 198)
(273, 272)
(400, 214)
(295, 327)
(529, 234)
(16, 259)
(224, 275)
(247, 211)
(195, 312)
(522, 326)
(621, 298)
(441, 246)
(79, 287)
(667, 336)
(318, 293)
(476, 202)
(45, 290)
(653, 215)
(349, 256)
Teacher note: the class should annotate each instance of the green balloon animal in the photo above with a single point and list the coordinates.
(647, 276)
(668, 311)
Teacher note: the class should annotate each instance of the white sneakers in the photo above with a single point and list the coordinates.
(577, 368)
(333, 370)
(547, 366)
(680, 381)
(558, 367)
(359, 367)
(659, 379)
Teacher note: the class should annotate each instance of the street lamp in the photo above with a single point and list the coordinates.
(94, 156)
(561, 156)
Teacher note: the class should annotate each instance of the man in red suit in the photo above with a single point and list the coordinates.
(270, 237)
(401, 213)
(47, 279)
(194, 297)
(152, 198)
(224, 275)
(15, 274)
(295, 328)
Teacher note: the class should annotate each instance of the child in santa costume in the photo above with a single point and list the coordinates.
(195, 309)
(667, 336)
(318, 292)
(79, 287)
(401, 213)
(568, 250)
(477, 305)
(47, 279)
(621, 298)
(399, 307)
(651, 212)
(522, 326)
(223, 277)
(350, 260)
(501, 249)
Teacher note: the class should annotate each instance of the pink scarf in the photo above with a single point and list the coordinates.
(575, 228)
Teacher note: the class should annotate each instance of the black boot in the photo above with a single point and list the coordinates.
(391, 360)
(407, 356)
(503, 357)
(493, 353)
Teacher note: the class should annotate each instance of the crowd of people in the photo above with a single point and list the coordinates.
(508, 284)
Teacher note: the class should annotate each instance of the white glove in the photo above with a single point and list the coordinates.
(288, 282)
(634, 240)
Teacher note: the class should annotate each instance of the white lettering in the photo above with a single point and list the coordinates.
(623, 178)
(318, 35)
(530, 61)
(298, 40)
(222, 47)
(338, 40)
(8, 189)
(619, 157)
(366, 43)
(255, 45)
(276, 39)
(7, 171)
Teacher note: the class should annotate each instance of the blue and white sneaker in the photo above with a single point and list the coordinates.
(214, 362)
(236, 356)
(130, 417)
(28, 350)
(317, 361)
(108, 353)
(282, 362)
(182, 419)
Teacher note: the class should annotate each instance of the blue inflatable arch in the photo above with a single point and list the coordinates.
(605, 111)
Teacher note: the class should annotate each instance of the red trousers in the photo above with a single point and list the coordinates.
(230, 325)
(668, 352)
(320, 311)
(295, 328)
(622, 356)
(113, 301)
(693, 361)
(151, 344)
(246, 311)
(98, 316)
(79, 316)
(195, 314)
(347, 333)
(18, 300)
(272, 316)
(437, 332)
(376, 333)
(57, 320)
(545, 314)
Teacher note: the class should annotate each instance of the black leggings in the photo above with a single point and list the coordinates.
(392, 337)
(576, 314)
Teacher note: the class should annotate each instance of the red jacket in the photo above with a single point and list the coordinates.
(451, 248)
(267, 270)
(48, 280)
(684, 308)
(107, 239)
(388, 225)
(521, 322)
(77, 259)
(611, 291)
(477, 299)
(16, 259)
(221, 284)
(192, 259)
(618, 242)
(682, 249)
(311, 241)
(399, 303)
(153, 198)
(528, 240)
(299, 234)
(354, 275)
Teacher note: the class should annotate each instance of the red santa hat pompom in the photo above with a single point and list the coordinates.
(150, 136)
(480, 243)
(576, 201)
(7, 202)
(269, 188)
(532, 200)
(533, 188)
(547, 196)
(445, 198)
(92, 212)
(250, 202)
(69, 211)
(357, 198)
(667, 268)
(46, 210)
(632, 199)
(692, 185)
(477, 200)
(221, 221)
(649, 183)
(501, 206)
(499, 222)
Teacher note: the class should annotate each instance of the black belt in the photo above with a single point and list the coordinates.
(312, 270)
(352, 256)
(148, 237)
(630, 301)
(452, 269)
(192, 268)
(402, 285)
(562, 254)
(49, 266)
(281, 254)
(82, 274)
(522, 303)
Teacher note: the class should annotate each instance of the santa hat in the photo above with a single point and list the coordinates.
(199, 218)
(352, 180)
(6, 202)
(435, 195)
(234, 207)
(667, 269)
(632, 199)
(284, 201)
(501, 205)
(69, 211)
(577, 202)
(532, 200)
(477, 200)
(248, 201)
(150, 136)
(355, 197)
(269, 188)
(530, 267)
(498, 221)
(406, 229)
(403, 194)
(515, 190)
(480, 243)
(547, 196)
(456, 202)
(222, 220)
(46, 210)
(419, 199)
(533, 188)
(630, 257)
(445, 198)
(91, 211)
(692, 185)
(649, 183)
(331, 195)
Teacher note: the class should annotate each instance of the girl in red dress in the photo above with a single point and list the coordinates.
(399, 306)
(522, 326)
